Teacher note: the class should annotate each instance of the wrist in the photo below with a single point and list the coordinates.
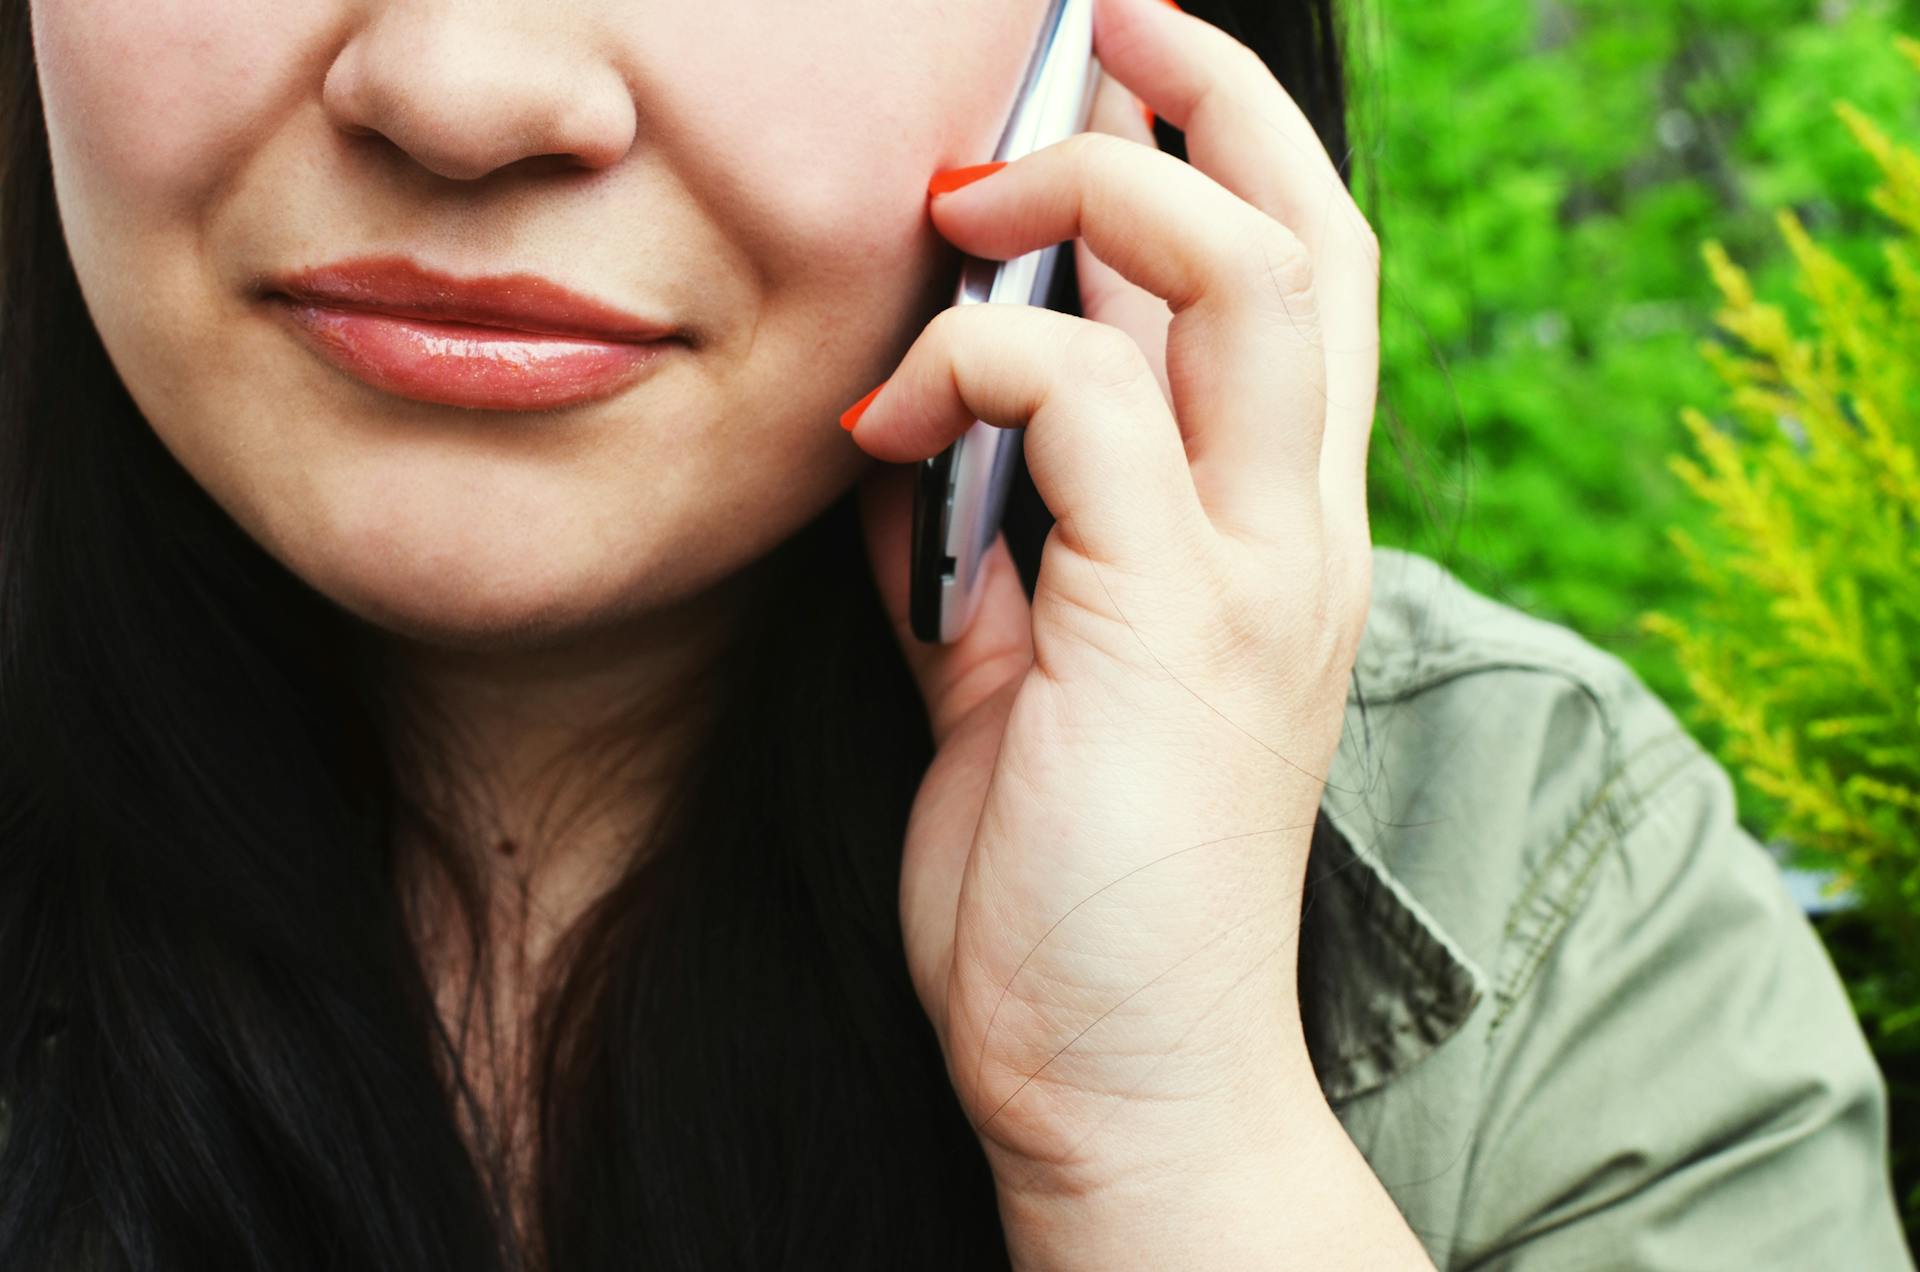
(1228, 1121)
(1280, 1185)
(1222, 1216)
(1150, 1177)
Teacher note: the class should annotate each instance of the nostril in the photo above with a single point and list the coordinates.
(557, 161)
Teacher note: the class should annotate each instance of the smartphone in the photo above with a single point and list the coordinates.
(962, 492)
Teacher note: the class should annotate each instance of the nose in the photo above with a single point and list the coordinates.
(467, 89)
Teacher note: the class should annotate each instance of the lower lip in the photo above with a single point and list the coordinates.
(458, 364)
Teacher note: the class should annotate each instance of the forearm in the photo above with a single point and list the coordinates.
(1302, 1198)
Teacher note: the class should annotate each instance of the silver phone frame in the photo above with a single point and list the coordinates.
(1055, 101)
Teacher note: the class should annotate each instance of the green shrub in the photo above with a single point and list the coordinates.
(1800, 643)
(1541, 173)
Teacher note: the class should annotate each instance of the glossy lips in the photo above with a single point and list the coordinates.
(509, 342)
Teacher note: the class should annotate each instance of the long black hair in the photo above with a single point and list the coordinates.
(217, 1045)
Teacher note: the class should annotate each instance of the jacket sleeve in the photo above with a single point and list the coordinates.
(1677, 1080)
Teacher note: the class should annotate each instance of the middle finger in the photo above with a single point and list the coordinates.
(1244, 130)
(1244, 360)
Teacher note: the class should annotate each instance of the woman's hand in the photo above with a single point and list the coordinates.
(1103, 869)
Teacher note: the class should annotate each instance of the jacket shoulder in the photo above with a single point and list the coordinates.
(1662, 1067)
(1425, 627)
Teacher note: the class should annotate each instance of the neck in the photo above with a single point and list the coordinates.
(542, 768)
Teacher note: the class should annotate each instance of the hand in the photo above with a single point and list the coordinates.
(1102, 874)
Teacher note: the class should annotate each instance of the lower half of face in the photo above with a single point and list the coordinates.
(486, 528)
(746, 189)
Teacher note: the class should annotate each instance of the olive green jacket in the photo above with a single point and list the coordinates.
(1561, 1001)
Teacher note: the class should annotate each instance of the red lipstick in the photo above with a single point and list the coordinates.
(500, 342)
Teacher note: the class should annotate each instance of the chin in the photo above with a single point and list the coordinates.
(434, 556)
(490, 558)
(472, 590)
(499, 622)
(489, 620)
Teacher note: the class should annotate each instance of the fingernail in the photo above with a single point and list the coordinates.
(1171, 4)
(1146, 113)
(852, 414)
(954, 178)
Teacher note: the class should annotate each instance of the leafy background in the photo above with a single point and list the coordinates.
(1543, 174)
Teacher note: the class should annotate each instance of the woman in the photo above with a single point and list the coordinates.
(471, 799)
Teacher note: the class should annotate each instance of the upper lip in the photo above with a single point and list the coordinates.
(404, 288)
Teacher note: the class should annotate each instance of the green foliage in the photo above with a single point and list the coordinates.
(1801, 646)
(1541, 173)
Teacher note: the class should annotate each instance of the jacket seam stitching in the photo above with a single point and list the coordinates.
(1409, 939)
(1617, 795)
(1581, 677)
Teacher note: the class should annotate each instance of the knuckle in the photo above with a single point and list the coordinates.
(1281, 274)
(1089, 150)
(1368, 240)
(947, 327)
(1245, 608)
(1251, 71)
(1247, 619)
(1359, 598)
(1101, 355)
(1342, 610)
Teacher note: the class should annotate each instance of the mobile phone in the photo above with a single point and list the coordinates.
(962, 492)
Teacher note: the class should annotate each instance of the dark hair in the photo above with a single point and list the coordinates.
(217, 1046)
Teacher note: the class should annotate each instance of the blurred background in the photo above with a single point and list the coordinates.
(1585, 414)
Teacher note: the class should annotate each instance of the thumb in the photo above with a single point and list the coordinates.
(996, 647)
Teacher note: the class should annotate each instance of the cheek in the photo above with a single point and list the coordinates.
(825, 134)
(153, 109)
(149, 102)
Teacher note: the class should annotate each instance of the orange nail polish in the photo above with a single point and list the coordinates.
(852, 414)
(1146, 112)
(954, 178)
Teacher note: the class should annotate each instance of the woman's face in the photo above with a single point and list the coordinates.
(750, 173)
